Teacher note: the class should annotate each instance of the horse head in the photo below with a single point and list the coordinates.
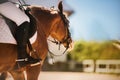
(61, 28)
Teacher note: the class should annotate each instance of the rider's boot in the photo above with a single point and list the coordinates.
(22, 38)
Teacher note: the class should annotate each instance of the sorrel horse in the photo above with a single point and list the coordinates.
(55, 25)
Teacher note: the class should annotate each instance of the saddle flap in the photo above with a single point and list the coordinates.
(5, 33)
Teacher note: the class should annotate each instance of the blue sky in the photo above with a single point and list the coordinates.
(95, 19)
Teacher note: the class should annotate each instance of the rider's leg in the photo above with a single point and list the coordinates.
(21, 19)
(22, 38)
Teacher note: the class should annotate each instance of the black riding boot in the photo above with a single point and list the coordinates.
(22, 37)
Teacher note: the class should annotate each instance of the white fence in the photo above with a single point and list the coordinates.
(101, 66)
(88, 65)
(108, 66)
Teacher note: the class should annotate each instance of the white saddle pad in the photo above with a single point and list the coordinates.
(6, 35)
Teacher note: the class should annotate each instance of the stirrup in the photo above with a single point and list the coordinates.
(20, 60)
(35, 64)
(25, 62)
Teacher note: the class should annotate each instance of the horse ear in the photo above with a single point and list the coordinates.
(60, 7)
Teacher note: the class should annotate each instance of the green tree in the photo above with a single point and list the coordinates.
(94, 50)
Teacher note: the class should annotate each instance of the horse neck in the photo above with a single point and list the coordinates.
(46, 20)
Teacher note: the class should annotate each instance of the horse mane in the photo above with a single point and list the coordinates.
(43, 10)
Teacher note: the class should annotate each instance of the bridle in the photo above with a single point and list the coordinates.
(67, 38)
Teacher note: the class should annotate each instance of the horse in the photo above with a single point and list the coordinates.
(49, 24)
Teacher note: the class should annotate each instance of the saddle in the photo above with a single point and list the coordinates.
(12, 25)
